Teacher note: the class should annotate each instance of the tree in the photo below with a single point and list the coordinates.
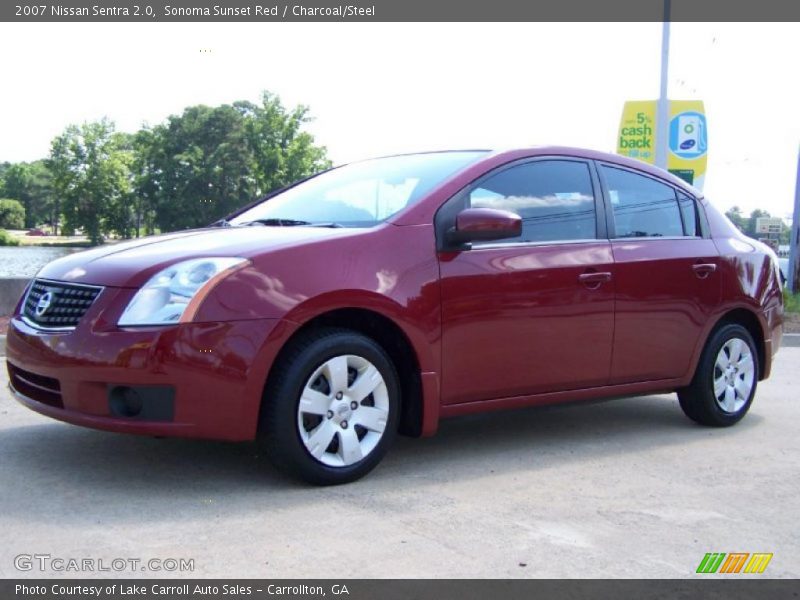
(4, 166)
(42, 207)
(209, 161)
(17, 184)
(30, 184)
(197, 167)
(748, 225)
(12, 214)
(145, 178)
(187, 172)
(282, 152)
(90, 165)
(6, 239)
(753, 221)
(736, 217)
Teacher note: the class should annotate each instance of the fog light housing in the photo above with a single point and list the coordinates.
(142, 403)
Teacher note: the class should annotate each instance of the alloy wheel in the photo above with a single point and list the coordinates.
(734, 375)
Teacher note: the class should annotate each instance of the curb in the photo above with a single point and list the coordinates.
(791, 340)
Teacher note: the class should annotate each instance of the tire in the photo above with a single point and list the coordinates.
(318, 424)
(725, 382)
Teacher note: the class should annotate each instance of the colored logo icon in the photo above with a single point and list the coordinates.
(687, 135)
(736, 562)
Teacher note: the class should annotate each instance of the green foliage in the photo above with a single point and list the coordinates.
(736, 217)
(207, 162)
(189, 171)
(90, 165)
(747, 225)
(12, 214)
(791, 302)
(4, 167)
(17, 183)
(6, 239)
(30, 184)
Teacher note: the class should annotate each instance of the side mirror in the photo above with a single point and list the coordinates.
(483, 224)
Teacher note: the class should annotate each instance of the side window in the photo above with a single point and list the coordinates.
(642, 206)
(691, 223)
(554, 198)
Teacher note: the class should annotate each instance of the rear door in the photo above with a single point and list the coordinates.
(666, 271)
(535, 313)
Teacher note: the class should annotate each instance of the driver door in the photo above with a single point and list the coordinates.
(533, 314)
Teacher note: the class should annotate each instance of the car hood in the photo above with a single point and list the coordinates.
(132, 263)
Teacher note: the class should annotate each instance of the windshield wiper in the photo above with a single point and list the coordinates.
(275, 222)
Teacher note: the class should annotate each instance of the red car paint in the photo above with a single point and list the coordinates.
(487, 328)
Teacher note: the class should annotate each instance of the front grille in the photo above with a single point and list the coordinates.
(36, 387)
(56, 305)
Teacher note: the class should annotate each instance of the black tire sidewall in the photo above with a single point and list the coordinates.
(705, 376)
(283, 401)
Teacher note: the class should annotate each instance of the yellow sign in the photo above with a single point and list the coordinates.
(637, 130)
(687, 139)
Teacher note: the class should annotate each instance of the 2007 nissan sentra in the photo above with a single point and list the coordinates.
(382, 296)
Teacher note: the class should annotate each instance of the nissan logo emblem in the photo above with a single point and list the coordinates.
(44, 303)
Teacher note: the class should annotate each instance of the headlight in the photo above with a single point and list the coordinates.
(163, 300)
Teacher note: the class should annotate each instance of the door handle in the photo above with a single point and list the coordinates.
(594, 280)
(703, 270)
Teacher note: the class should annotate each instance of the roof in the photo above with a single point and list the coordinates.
(507, 155)
(597, 155)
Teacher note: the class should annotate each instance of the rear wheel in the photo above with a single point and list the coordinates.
(331, 407)
(725, 382)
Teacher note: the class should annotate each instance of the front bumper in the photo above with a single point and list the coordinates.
(215, 371)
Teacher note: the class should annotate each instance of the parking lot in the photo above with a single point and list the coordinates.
(629, 488)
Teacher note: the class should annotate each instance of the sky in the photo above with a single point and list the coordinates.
(381, 88)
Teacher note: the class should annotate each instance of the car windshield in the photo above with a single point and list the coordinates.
(360, 194)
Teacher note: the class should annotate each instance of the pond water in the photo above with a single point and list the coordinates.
(25, 261)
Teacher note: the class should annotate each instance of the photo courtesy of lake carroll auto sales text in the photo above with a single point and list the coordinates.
(399, 300)
(176, 589)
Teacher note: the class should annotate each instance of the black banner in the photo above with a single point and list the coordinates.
(148, 11)
(389, 589)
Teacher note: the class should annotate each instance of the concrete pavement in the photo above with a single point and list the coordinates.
(627, 488)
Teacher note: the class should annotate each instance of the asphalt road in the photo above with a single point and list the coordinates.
(628, 488)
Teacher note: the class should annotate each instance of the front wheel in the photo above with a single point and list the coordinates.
(725, 382)
(331, 407)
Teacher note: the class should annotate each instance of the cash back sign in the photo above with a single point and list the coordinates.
(687, 140)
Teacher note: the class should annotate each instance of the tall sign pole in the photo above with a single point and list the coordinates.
(795, 239)
(662, 108)
(670, 134)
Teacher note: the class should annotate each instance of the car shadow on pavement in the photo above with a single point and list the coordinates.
(57, 472)
(544, 437)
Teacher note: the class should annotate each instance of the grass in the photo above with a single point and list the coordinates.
(791, 302)
(75, 241)
(47, 240)
(52, 240)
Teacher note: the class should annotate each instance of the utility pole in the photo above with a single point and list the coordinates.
(795, 237)
(662, 107)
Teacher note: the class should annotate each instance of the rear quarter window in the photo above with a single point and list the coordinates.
(642, 206)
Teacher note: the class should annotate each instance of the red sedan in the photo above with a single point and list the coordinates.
(384, 295)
